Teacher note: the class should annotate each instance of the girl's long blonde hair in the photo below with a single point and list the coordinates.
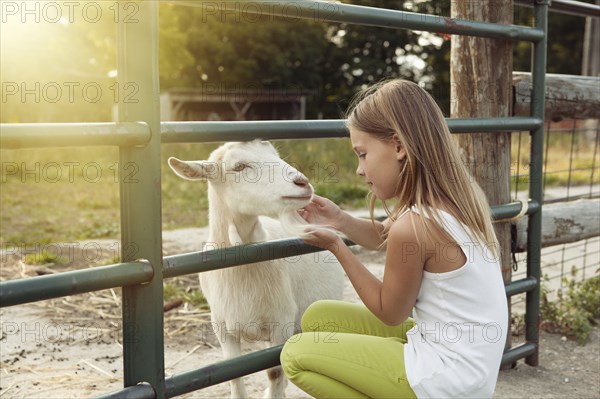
(433, 175)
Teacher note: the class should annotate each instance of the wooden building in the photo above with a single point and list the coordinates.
(218, 104)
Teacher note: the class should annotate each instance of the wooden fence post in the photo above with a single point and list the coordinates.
(481, 86)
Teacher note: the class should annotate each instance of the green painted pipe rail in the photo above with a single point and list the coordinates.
(35, 135)
(221, 257)
(519, 352)
(14, 292)
(369, 16)
(536, 190)
(201, 132)
(512, 209)
(578, 8)
(137, 61)
(524, 285)
(32, 135)
(218, 258)
(139, 391)
(226, 370)
(25, 290)
(189, 381)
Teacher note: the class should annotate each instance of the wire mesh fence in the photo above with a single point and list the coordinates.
(571, 172)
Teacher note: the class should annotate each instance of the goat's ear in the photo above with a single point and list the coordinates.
(193, 170)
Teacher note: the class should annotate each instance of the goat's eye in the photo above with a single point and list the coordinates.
(240, 166)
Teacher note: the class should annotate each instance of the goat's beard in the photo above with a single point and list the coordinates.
(296, 226)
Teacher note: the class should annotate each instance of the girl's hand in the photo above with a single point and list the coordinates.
(322, 211)
(323, 238)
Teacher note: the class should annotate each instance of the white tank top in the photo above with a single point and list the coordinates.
(461, 318)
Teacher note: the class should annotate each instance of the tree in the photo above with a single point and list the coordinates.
(565, 42)
(361, 55)
(484, 89)
(250, 51)
(239, 51)
(229, 51)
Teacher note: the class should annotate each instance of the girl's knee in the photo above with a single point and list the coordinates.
(316, 314)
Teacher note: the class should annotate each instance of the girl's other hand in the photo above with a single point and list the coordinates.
(323, 238)
(322, 211)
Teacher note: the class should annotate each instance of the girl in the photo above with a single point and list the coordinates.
(441, 264)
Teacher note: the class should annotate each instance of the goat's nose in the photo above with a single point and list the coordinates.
(301, 181)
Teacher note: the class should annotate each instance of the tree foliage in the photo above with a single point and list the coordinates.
(332, 60)
(224, 51)
(565, 42)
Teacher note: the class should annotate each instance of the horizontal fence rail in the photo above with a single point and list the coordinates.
(518, 287)
(512, 209)
(189, 381)
(181, 383)
(32, 289)
(219, 258)
(578, 8)
(371, 16)
(197, 132)
(35, 135)
(25, 290)
(139, 391)
(519, 352)
(201, 132)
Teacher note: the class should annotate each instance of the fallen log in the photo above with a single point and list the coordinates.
(564, 222)
(567, 96)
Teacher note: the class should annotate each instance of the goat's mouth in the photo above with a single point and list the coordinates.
(297, 197)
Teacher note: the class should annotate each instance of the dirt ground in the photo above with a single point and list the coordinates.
(71, 347)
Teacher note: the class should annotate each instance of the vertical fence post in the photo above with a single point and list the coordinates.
(479, 90)
(534, 245)
(137, 61)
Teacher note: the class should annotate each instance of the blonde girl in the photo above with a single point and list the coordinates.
(436, 324)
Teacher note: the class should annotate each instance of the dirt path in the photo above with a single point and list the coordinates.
(70, 347)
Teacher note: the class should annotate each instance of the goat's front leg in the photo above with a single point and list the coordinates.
(231, 346)
(277, 383)
(277, 379)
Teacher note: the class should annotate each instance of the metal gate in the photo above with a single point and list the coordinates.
(139, 134)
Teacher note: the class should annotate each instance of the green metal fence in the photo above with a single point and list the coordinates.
(139, 134)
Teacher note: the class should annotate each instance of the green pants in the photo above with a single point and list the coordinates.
(345, 351)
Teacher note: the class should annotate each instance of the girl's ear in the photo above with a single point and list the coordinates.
(400, 151)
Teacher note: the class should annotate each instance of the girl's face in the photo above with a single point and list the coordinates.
(378, 162)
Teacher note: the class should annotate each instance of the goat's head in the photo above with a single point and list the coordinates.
(250, 178)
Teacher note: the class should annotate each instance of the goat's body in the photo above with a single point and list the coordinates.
(260, 301)
(270, 293)
(264, 301)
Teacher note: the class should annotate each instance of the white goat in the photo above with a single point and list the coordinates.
(247, 183)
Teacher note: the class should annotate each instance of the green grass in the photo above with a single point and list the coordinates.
(576, 309)
(45, 258)
(561, 167)
(38, 206)
(56, 195)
